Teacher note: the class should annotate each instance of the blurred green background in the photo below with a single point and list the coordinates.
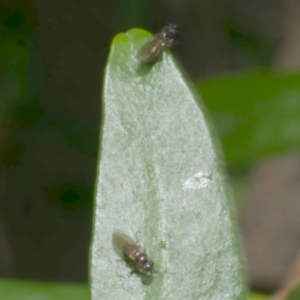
(243, 57)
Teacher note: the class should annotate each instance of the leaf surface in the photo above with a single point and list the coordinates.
(161, 184)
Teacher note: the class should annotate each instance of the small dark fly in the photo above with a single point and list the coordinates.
(131, 253)
(155, 47)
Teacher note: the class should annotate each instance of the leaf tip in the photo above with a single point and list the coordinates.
(138, 35)
(120, 38)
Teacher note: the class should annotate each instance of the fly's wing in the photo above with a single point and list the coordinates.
(121, 243)
(151, 50)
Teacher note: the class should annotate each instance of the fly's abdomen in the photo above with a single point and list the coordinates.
(151, 50)
(131, 253)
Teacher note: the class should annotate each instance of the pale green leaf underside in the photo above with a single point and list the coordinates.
(159, 182)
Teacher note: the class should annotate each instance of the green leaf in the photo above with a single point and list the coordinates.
(257, 113)
(160, 183)
(255, 296)
(294, 294)
(28, 290)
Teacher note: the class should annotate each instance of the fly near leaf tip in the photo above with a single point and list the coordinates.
(153, 49)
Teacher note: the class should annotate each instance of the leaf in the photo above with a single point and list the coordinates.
(161, 184)
(27, 290)
(255, 296)
(258, 114)
(294, 294)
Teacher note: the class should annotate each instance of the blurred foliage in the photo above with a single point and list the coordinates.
(294, 294)
(254, 296)
(29, 290)
(256, 113)
(19, 82)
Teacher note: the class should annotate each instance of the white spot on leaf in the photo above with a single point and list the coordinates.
(198, 181)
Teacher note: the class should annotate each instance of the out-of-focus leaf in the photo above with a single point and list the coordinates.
(19, 82)
(254, 296)
(160, 183)
(294, 294)
(28, 290)
(256, 114)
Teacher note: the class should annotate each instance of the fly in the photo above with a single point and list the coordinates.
(131, 253)
(155, 47)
